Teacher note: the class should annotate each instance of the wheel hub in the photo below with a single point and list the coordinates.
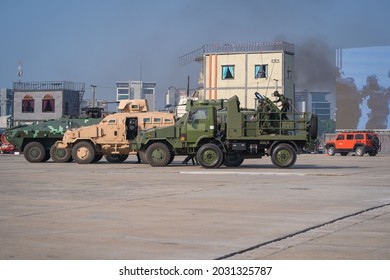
(82, 153)
(284, 156)
(157, 155)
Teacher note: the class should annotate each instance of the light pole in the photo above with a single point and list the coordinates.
(93, 95)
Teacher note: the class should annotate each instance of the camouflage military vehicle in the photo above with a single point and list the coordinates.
(219, 132)
(112, 137)
(36, 141)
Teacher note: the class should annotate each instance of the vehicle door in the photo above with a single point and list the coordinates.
(359, 138)
(340, 142)
(200, 124)
(131, 128)
(349, 142)
(112, 130)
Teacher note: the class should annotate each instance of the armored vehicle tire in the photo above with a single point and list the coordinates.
(330, 151)
(359, 151)
(210, 156)
(158, 154)
(61, 155)
(97, 158)
(142, 156)
(35, 152)
(83, 152)
(233, 160)
(115, 158)
(283, 155)
(172, 157)
(373, 153)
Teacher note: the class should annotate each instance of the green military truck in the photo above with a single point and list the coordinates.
(219, 132)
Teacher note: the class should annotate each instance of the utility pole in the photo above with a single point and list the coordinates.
(93, 95)
(188, 86)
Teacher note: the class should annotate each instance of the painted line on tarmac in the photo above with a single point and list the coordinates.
(240, 173)
(257, 246)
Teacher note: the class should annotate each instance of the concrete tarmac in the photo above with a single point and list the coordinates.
(322, 208)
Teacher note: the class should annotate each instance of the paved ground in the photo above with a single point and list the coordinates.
(323, 208)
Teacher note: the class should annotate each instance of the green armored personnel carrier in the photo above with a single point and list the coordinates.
(36, 141)
(219, 132)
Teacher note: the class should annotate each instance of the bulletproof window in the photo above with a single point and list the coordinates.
(168, 120)
(48, 104)
(261, 71)
(28, 104)
(227, 72)
(340, 137)
(157, 120)
(112, 121)
(147, 120)
(349, 136)
(359, 136)
(200, 114)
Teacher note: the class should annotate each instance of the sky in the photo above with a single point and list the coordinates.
(101, 42)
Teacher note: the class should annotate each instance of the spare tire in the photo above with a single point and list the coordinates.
(375, 140)
(313, 131)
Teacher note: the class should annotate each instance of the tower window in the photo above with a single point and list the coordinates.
(28, 104)
(227, 72)
(261, 71)
(48, 104)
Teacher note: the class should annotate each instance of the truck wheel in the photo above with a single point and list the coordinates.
(83, 152)
(61, 155)
(158, 154)
(313, 126)
(331, 151)
(35, 152)
(210, 156)
(115, 158)
(283, 156)
(233, 160)
(359, 151)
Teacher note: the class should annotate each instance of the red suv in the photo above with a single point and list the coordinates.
(5, 146)
(360, 142)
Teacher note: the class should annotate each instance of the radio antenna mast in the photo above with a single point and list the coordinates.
(20, 71)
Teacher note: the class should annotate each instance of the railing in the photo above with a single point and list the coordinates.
(48, 86)
(236, 47)
(273, 123)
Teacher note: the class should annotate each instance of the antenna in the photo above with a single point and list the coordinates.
(20, 71)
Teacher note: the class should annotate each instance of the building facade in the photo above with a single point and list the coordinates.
(6, 102)
(38, 101)
(243, 69)
(317, 102)
(137, 90)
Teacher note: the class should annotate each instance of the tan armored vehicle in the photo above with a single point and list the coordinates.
(112, 137)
